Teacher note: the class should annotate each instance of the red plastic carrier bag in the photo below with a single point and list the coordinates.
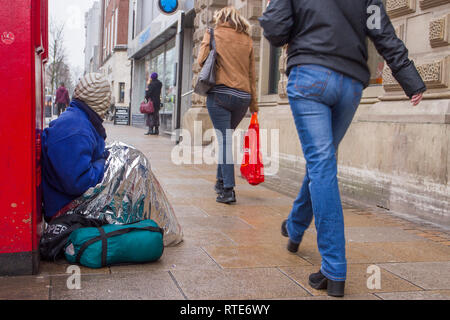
(252, 167)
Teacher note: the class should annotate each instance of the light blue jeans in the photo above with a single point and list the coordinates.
(323, 104)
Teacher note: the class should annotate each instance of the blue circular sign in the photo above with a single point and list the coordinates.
(168, 6)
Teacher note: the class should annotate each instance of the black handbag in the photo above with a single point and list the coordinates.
(207, 76)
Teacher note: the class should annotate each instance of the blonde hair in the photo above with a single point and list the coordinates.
(234, 18)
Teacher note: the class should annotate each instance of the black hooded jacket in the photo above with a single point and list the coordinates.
(333, 33)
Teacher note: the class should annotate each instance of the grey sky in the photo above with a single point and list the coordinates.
(72, 13)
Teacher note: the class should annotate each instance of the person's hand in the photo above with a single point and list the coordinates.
(415, 100)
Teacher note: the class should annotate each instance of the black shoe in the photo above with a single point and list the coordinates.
(219, 186)
(291, 246)
(150, 132)
(227, 196)
(320, 282)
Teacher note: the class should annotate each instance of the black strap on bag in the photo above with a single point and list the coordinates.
(212, 39)
(104, 239)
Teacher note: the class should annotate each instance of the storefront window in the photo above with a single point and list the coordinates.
(163, 61)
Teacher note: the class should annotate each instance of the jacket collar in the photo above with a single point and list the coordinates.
(93, 117)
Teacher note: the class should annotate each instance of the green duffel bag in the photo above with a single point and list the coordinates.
(115, 244)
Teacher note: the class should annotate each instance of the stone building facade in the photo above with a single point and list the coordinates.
(395, 156)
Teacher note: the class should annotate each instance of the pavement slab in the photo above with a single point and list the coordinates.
(59, 268)
(177, 258)
(427, 275)
(155, 285)
(356, 283)
(257, 256)
(416, 295)
(379, 234)
(237, 284)
(24, 288)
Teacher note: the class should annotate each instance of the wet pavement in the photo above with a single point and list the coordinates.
(237, 252)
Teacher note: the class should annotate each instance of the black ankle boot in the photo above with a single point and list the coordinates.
(149, 132)
(227, 196)
(320, 282)
(219, 186)
(156, 131)
(291, 246)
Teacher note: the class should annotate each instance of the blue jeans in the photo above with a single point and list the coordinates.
(226, 112)
(323, 104)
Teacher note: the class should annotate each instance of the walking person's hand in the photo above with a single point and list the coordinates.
(415, 100)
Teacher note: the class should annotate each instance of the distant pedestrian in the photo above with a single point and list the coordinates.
(235, 90)
(112, 109)
(73, 147)
(153, 93)
(327, 69)
(62, 98)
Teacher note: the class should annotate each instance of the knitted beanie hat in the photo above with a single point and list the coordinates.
(94, 90)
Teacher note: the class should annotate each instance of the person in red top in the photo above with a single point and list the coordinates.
(62, 99)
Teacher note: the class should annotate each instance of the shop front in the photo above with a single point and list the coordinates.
(164, 46)
(163, 61)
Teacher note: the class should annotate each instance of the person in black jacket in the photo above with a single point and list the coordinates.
(327, 69)
(153, 93)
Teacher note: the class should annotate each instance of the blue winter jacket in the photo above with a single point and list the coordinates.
(72, 158)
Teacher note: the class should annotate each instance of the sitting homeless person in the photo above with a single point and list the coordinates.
(73, 147)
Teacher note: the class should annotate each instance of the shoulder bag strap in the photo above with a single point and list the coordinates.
(212, 41)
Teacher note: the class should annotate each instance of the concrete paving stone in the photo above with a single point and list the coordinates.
(263, 220)
(356, 283)
(195, 237)
(237, 284)
(265, 236)
(379, 234)
(419, 251)
(215, 223)
(197, 193)
(427, 275)
(24, 288)
(261, 198)
(182, 182)
(176, 258)
(383, 252)
(368, 296)
(283, 209)
(154, 285)
(355, 220)
(188, 211)
(256, 256)
(59, 268)
(416, 295)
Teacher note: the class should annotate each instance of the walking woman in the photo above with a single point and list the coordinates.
(327, 69)
(153, 93)
(235, 90)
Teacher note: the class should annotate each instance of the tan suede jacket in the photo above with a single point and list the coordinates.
(235, 60)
